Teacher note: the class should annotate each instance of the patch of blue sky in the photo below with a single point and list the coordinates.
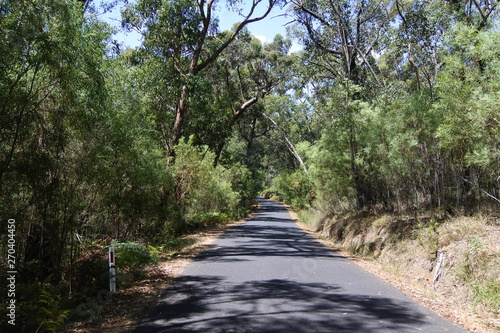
(265, 30)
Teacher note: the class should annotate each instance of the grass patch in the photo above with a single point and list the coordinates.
(479, 269)
(488, 293)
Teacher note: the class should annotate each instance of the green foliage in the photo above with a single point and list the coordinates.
(425, 136)
(469, 100)
(200, 188)
(52, 97)
(133, 255)
(50, 314)
(488, 293)
(40, 307)
(245, 182)
(211, 219)
(329, 169)
(478, 270)
(390, 106)
(127, 162)
(293, 188)
(177, 243)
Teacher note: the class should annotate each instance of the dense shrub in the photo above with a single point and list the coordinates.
(200, 189)
(293, 188)
(133, 255)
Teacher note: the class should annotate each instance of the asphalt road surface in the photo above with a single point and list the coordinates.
(268, 275)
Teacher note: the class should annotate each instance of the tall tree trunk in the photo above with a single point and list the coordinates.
(196, 66)
(180, 119)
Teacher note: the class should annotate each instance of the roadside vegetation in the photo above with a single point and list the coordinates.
(453, 262)
(386, 122)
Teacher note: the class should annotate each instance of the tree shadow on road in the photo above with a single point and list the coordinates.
(207, 304)
(268, 206)
(253, 241)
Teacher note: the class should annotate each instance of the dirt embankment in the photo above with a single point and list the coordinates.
(452, 266)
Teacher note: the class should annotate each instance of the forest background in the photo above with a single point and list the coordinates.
(392, 106)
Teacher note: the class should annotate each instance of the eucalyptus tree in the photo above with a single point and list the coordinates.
(184, 39)
(250, 71)
(415, 48)
(341, 39)
(404, 105)
(416, 45)
(344, 34)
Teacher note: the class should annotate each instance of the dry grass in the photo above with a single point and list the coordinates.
(404, 252)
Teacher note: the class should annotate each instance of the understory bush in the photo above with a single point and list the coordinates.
(201, 189)
(292, 188)
(133, 255)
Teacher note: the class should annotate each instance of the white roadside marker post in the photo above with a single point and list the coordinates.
(112, 272)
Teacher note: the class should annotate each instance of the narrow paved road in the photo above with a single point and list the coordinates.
(268, 275)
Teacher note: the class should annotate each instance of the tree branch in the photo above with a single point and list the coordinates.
(240, 26)
(480, 189)
(291, 147)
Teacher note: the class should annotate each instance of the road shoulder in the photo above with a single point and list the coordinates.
(428, 298)
(129, 305)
